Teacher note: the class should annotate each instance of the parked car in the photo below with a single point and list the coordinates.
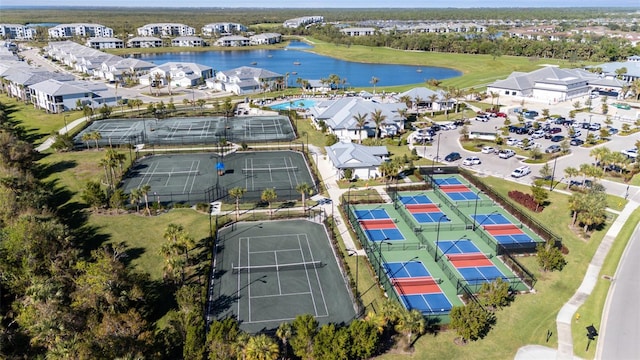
(449, 126)
(511, 141)
(530, 114)
(622, 106)
(632, 153)
(585, 125)
(483, 118)
(553, 149)
(521, 171)
(472, 160)
(538, 134)
(612, 130)
(488, 150)
(501, 115)
(586, 183)
(576, 142)
(595, 126)
(576, 134)
(435, 127)
(506, 153)
(532, 145)
(557, 138)
(554, 130)
(452, 157)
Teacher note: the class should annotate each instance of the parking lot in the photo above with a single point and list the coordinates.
(447, 141)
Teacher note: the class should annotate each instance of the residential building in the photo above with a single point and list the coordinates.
(187, 41)
(57, 96)
(177, 75)
(16, 32)
(422, 98)
(358, 31)
(265, 39)
(144, 42)
(629, 70)
(166, 29)
(105, 43)
(223, 29)
(79, 30)
(18, 78)
(246, 80)
(363, 161)
(122, 69)
(303, 21)
(233, 41)
(339, 116)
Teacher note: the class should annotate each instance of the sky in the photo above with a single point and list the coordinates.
(332, 3)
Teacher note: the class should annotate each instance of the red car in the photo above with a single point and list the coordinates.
(501, 114)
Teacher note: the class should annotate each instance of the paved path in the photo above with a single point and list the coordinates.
(567, 312)
(619, 330)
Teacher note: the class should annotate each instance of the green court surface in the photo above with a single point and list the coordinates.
(269, 272)
(192, 178)
(197, 130)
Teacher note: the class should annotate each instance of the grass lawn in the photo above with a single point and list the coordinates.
(527, 320)
(36, 122)
(591, 311)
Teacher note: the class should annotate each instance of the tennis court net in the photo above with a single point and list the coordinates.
(467, 256)
(427, 280)
(277, 267)
(270, 169)
(170, 173)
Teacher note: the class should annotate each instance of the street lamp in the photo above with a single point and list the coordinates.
(349, 198)
(553, 173)
(433, 162)
(589, 128)
(475, 209)
(486, 218)
(444, 216)
(355, 253)
(65, 123)
(380, 256)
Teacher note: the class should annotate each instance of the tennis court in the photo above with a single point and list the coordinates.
(459, 192)
(414, 199)
(452, 180)
(426, 213)
(268, 273)
(469, 260)
(408, 269)
(493, 218)
(451, 247)
(193, 178)
(481, 274)
(416, 288)
(371, 214)
(196, 130)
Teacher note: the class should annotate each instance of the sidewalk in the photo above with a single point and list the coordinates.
(566, 314)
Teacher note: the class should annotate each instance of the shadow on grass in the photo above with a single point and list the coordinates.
(46, 170)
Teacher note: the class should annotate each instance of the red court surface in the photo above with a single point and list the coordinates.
(504, 232)
(501, 227)
(423, 208)
(417, 286)
(469, 260)
(375, 226)
(455, 188)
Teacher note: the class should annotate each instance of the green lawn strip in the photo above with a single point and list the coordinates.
(527, 320)
(591, 311)
(72, 170)
(37, 122)
(144, 234)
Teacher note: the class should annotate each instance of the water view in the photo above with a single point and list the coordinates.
(305, 65)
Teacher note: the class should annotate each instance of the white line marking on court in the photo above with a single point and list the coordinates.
(324, 302)
(193, 180)
(276, 320)
(280, 295)
(239, 276)
(275, 256)
(249, 276)
(313, 299)
(279, 250)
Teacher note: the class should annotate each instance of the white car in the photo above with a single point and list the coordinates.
(521, 171)
(488, 150)
(512, 141)
(449, 126)
(506, 153)
(537, 134)
(472, 160)
(632, 153)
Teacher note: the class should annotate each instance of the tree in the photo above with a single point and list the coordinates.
(284, 333)
(550, 258)
(464, 131)
(571, 172)
(305, 328)
(105, 111)
(117, 199)
(540, 194)
(361, 121)
(411, 322)
(495, 294)
(433, 99)
(237, 193)
(221, 339)
(304, 189)
(471, 322)
(374, 81)
(261, 347)
(93, 195)
(144, 191)
(134, 197)
(378, 118)
(269, 195)
(331, 342)
(364, 339)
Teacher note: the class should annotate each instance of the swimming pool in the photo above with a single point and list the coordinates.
(295, 104)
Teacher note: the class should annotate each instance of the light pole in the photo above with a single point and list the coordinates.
(380, 256)
(349, 198)
(433, 163)
(485, 219)
(589, 128)
(65, 123)
(553, 173)
(475, 209)
(355, 253)
(444, 216)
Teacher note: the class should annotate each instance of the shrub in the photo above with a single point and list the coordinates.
(525, 199)
(550, 258)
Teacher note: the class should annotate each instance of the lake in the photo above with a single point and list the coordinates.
(309, 66)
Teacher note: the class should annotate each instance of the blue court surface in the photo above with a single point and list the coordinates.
(461, 196)
(448, 181)
(457, 247)
(409, 269)
(427, 303)
(415, 199)
(432, 217)
(492, 219)
(372, 214)
(481, 274)
(513, 239)
(384, 234)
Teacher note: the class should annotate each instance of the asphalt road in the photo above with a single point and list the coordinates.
(620, 330)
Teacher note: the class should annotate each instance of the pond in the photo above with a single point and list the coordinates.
(296, 61)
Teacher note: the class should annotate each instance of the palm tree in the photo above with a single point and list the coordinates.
(600, 154)
(269, 195)
(134, 198)
(361, 120)
(236, 193)
(96, 136)
(571, 172)
(446, 97)
(411, 322)
(433, 98)
(168, 78)
(261, 347)
(406, 99)
(378, 118)
(284, 333)
(144, 191)
(304, 189)
(374, 81)
(86, 137)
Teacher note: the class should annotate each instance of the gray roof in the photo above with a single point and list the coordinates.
(144, 39)
(422, 93)
(352, 155)
(551, 75)
(247, 72)
(28, 77)
(633, 67)
(340, 113)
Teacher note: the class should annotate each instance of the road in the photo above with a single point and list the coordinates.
(620, 328)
